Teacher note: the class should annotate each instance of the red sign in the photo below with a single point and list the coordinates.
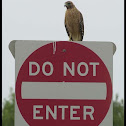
(74, 65)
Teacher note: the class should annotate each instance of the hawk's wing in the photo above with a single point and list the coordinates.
(67, 30)
(81, 26)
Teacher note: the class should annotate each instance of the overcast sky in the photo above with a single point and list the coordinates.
(44, 20)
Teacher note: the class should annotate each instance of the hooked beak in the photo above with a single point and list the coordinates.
(65, 5)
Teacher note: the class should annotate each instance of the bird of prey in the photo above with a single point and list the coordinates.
(74, 22)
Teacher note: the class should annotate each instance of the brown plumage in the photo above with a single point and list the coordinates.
(74, 22)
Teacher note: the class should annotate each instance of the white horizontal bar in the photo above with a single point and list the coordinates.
(64, 90)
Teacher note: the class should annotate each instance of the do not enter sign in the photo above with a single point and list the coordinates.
(63, 83)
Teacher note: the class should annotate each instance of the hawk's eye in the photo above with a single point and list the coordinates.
(69, 3)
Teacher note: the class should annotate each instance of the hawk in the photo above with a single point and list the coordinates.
(74, 22)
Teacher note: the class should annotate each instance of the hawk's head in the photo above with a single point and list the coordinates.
(69, 5)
